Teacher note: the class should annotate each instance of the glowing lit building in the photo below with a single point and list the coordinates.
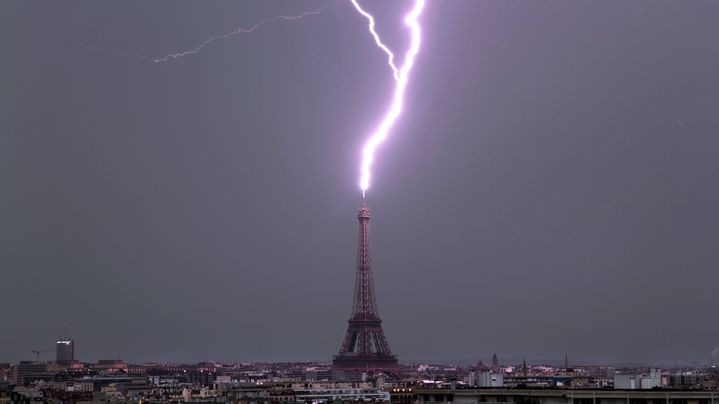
(65, 351)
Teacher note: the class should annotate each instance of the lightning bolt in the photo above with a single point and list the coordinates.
(402, 78)
(400, 74)
(377, 40)
(211, 39)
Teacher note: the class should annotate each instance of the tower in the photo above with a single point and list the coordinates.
(65, 349)
(364, 348)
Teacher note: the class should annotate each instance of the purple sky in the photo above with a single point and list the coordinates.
(551, 186)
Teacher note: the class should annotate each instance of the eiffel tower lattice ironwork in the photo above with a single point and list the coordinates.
(364, 348)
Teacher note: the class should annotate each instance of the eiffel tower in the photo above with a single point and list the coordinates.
(364, 348)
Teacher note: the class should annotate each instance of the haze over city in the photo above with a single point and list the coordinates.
(550, 187)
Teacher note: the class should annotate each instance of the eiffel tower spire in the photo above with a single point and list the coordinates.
(364, 347)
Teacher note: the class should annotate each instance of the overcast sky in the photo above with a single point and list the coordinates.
(551, 186)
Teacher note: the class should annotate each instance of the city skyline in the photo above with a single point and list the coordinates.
(64, 356)
(549, 189)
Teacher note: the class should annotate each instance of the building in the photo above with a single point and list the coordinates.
(489, 379)
(111, 366)
(538, 381)
(638, 381)
(682, 380)
(351, 394)
(27, 372)
(65, 351)
(564, 396)
(5, 372)
(401, 395)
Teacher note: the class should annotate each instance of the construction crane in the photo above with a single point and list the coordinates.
(37, 354)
